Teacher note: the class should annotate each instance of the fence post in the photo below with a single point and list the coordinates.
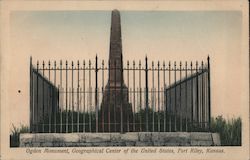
(84, 99)
(72, 94)
(146, 85)
(158, 97)
(109, 96)
(209, 94)
(121, 98)
(134, 95)
(169, 90)
(58, 109)
(128, 116)
(55, 103)
(37, 97)
(164, 98)
(61, 105)
(153, 98)
(103, 96)
(202, 98)
(66, 126)
(90, 98)
(175, 96)
(114, 115)
(192, 104)
(43, 96)
(49, 103)
(140, 95)
(96, 85)
(197, 95)
(78, 88)
(186, 118)
(31, 96)
(180, 98)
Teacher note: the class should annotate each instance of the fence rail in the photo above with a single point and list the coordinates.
(164, 97)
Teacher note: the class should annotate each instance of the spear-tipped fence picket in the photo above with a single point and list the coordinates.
(165, 97)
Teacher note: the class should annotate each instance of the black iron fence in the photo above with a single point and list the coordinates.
(160, 97)
(43, 100)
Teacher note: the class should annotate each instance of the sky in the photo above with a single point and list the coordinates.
(161, 35)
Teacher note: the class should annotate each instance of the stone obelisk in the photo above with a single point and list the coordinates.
(115, 109)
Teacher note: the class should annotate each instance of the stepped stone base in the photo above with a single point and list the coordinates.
(117, 139)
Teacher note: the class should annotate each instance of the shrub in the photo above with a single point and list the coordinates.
(229, 130)
(15, 132)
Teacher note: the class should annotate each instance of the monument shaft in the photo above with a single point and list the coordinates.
(115, 53)
(115, 108)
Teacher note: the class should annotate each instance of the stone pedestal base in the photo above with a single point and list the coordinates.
(117, 139)
(116, 111)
